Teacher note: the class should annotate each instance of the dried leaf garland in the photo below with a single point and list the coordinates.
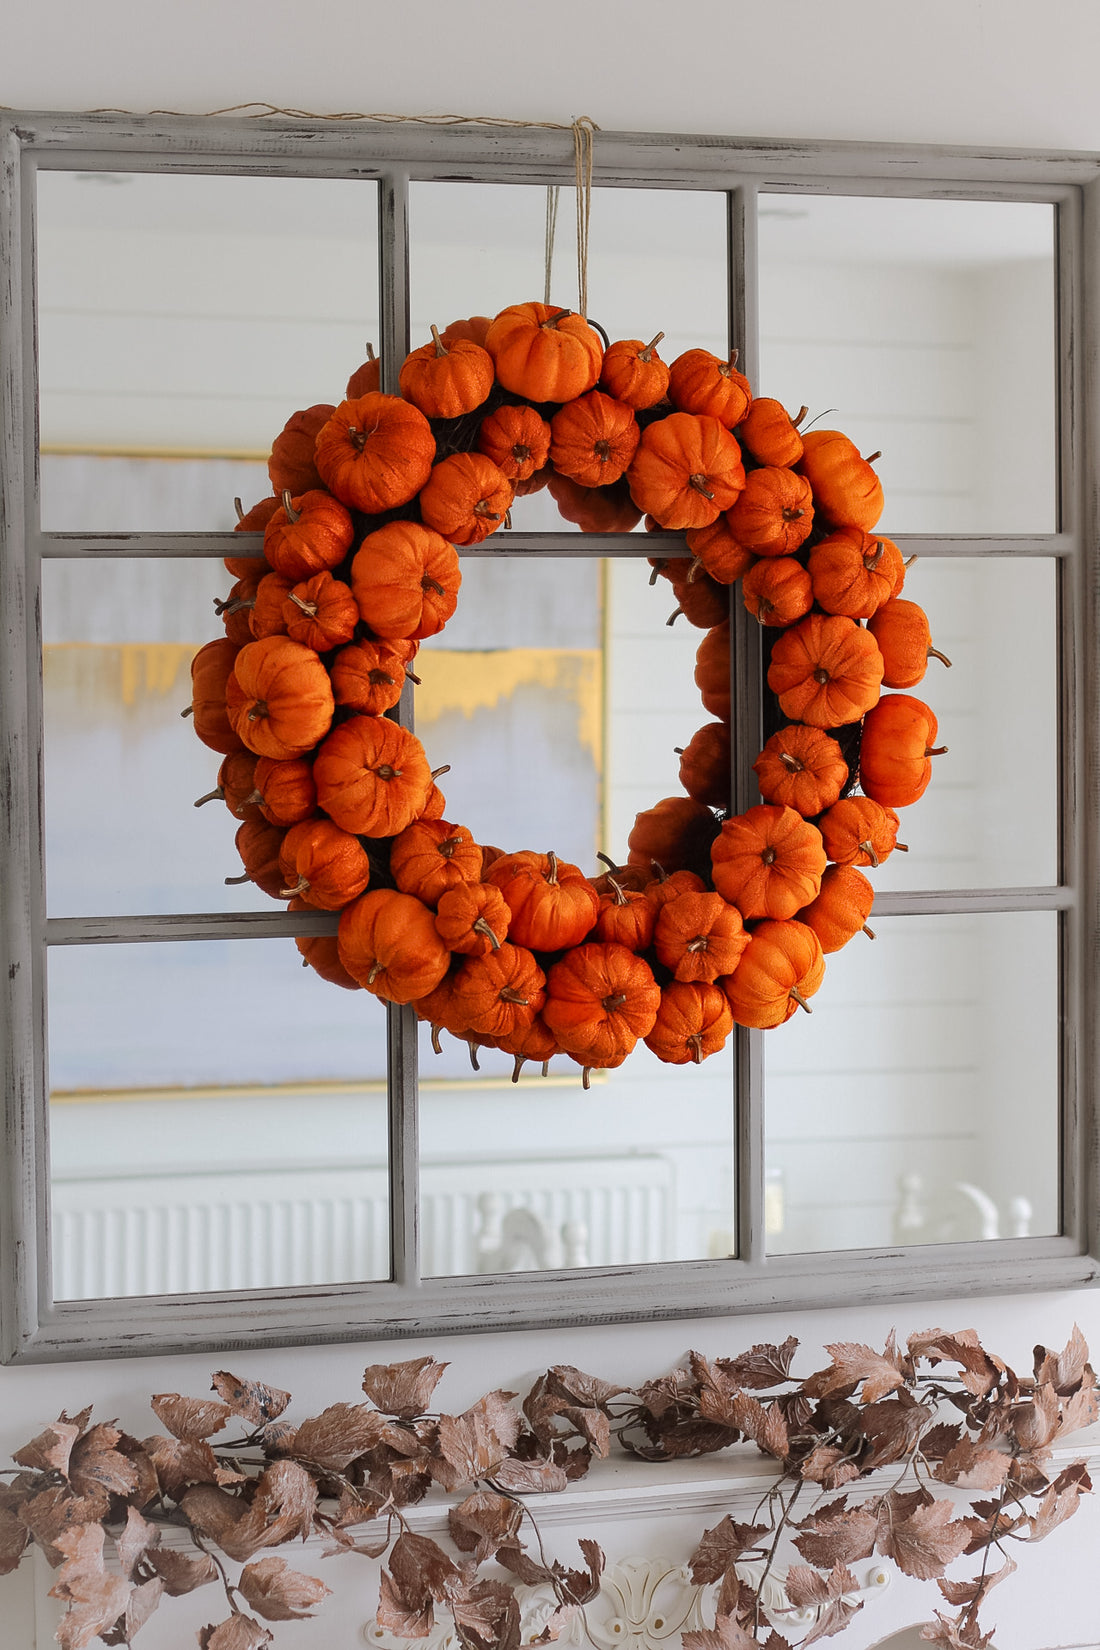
(97, 1501)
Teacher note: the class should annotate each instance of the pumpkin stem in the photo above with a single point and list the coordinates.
(376, 969)
(768, 856)
(472, 1046)
(388, 772)
(307, 607)
(902, 847)
(617, 890)
(546, 1068)
(239, 509)
(909, 562)
(610, 1004)
(552, 320)
(602, 450)
(410, 676)
(793, 515)
(647, 353)
(699, 943)
(935, 750)
(447, 848)
(656, 572)
(659, 871)
(292, 515)
(293, 893)
(586, 1078)
(211, 796)
(521, 453)
(673, 616)
(696, 1041)
(802, 411)
(870, 563)
(800, 999)
(508, 519)
(438, 342)
(358, 438)
(258, 712)
(821, 675)
(870, 933)
(377, 677)
(699, 482)
(482, 927)
(427, 583)
(934, 653)
(507, 995)
(370, 353)
(521, 1061)
(869, 849)
(552, 874)
(437, 1046)
(677, 750)
(695, 569)
(188, 712)
(232, 882)
(606, 860)
(791, 762)
(435, 773)
(871, 457)
(481, 508)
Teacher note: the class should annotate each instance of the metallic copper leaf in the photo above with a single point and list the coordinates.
(761, 1366)
(180, 1573)
(95, 1463)
(278, 1593)
(926, 1542)
(403, 1389)
(721, 1547)
(240, 1632)
(178, 1463)
(189, 1418)
(842, 1536)
(336, 1437)
(968, 1592)
(1064, 1370)
(483, 1523)
(252, 1400)
(49, 1451)
(487, 1615)
(852, 1364)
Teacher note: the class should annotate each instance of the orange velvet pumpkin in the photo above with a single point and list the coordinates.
(768, 861)
(700, 382)
(308, 534)
(431, 856)
(375, 452)
(236, 611)
(686, 471)
(857, 830)
(473, 328)
(259, 844)
(372, 776)
(366, 378)
(500, 992)
(235, 786)
(777, 591)
(634, 373)
(473, 918)
(593, 439)
(825, 670)
(292, 467)
(553, 904)
(368, 677)
(279, 698)
(284, 792)
(774, 514)
(770, 433)
(846, 488)
(801, 768)
(211, 670)
(899, 738)
(712, 671)
(699, 936)
(323, 865)
(599, 1000)
(321, 953)
(626, 917)
(854, 573)
(901, 632)
(724, 558)
(693, 1022)
(594, 509)
(544, 353)
(782, 967)
(705, 765)
(405, 578)
(676, 832)
(466, 498)
(267, 617)
(321, 613)
(841, 908)
(250, 521)
(446, 380)
(516, 440)
(388, 942)
(702, 601)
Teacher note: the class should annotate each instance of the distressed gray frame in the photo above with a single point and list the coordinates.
(32, 1326)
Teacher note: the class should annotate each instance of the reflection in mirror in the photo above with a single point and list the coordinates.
(217, 1121)
(919, 1103)
(559, 694)
(656, 263)
(189, 315)
(927, 329)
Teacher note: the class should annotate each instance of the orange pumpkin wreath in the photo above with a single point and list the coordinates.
(715, 919)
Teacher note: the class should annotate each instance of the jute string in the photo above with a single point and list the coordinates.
(583, 130)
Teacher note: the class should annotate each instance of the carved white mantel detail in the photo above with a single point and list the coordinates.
(643, 1604)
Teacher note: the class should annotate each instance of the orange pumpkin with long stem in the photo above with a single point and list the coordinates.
(768, 861)
(211, 670)
(770, 433)
(625, 917)
(284, 792)
(321, 613)
(388, 942)
(553, 904)
(472, 918)
(235, 786)
(594, 509)
(431, 856)
(899, 740)
(323, 865)
(321, 953)
(699, 382)
(365, 378)
(693, 1022)
(368, 677)
(676, 832)
(599, 1000)
(259, 845)
(854, 573)
(699, 936)
(782, 967)
(846, 488)
(774, 514)
(801, 768)
(250, 521)
(686, 471)
(841, 909)
(372, 776)
(500, 992)
(473, 328)
(405, 578)
(236, 611)
(901, 633)
(446, 380)
(857, 830)
(267, 617)
(634, 373)
(703, 602)
(720, 552)
(466, 498)
(308, 534)
(777, 591)
(705, 765)
(825, 670)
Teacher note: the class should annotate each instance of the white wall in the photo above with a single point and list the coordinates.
(963, 71)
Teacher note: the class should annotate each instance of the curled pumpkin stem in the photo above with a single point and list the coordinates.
(293, 893)
(309, 608)
(870, 933)
(869, 849)
(800, 999)
(586, 1078)
(188, 712)
(437, 1046)
(211, 796)
(610, 1004)
(935, 750)
(699, 482)
(239, 509)
(435, 773)
(292, 515)
(482, 927)
(552, 874)
(232, 882)
(647, 353)
(934, 653)
(802, 411)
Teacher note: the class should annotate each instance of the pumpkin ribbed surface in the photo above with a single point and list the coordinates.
(372, 776)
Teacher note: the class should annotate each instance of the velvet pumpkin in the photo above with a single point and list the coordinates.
(431, 856)
(857, 830)
(676, 832)
(250, 521)
(292, 465)
(259, 845)
(770, 433)
(321, 613)
(553, 904)
(323, 865)
(687, 469)
(310, 533)
(472, 918)
(267, 617)
(699, 936)
(594, 509)
(712, 671)
(368, 677)
(593, 439)
(901, 633)
(634, 373)
(841, 909)
(279, 698)
(700, 382)
(846, 488)
(211, 669)
(500, 992)
(516, 440)
(693, 1021)
(446, 380)
(899, 739)
(625, 917)
(854, 573)
(782, 966)
(365, 378)
(544, 353)
(768, 861)
(372, 776)
(466, 498)
(705, 765)
(235, 786)
(720, 552)
(283, 792)
(473, 329)
(375, 452)
(321, 953)
(825, 670)
(774, 514)
(405, 578)
(388, 942)
(801, 768)
(777, 591)
(599, 1000)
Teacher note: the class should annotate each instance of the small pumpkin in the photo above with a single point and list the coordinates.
(687, 469)
(723, 556)
(770, 433)
(825, 670)
(676, 832)
(259, 845)
(472, 918)
(466, 498)
(405, 578)
(375, 452)
(702, 600)
(841, 909)
(901, 633)
(846, 488)
(236, 611)
(593, 439)
(473, 329)
(211, 669)
(388, 942)
(368, 677)
(447, 380)
(625, 917)
(899, 740)
(250, 521)
(599, 1000)
(279, 698)
(292, 467)
(431, 856)
(516, 440)
(634, 373)
(235, 786)
(372, 776)
(534, 1042)
(801, 768)
(267, 617)
(705, 765)
(323, 865)
(782, 966)
(857, 830)
(666, 885)
(321, 613)
(775, 512)
(553, 904)
(700, 382)
(365, 378)
(777, 591)
(544, 353)
(854, 573)
(283, 792)
(768, 861)
(594, 509)
(699, 937)
(693, 1022)
(308, 534)
(712, 671)
(499, 993)
(321, 953)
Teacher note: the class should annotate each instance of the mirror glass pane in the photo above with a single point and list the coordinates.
(123, 768)
(188, 316)
(217, 1121)
(656, 263)
(919, 1102)
(924, 329)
